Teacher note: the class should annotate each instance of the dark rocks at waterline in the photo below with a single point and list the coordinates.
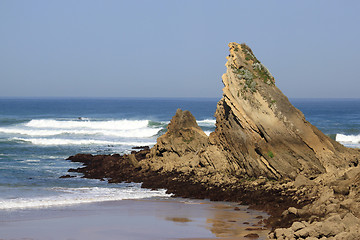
(141, 148)
(116, 169)
(252, 236)
(67, 176)
(263, 153)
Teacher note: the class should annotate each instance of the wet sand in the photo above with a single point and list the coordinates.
(134, 220)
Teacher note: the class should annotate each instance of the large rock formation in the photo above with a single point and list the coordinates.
(258, 131)
(259, 136)
(186, 148)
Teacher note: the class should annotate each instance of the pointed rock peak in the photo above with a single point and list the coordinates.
(247, 82)
(182, 120)
(259, 128)
(259, 133)
(178, 147)
(249, 86)
(243, 61)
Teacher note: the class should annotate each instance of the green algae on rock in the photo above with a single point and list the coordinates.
(263, 152)
(258, 132)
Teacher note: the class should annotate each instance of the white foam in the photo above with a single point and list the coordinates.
(207, 122)
(208, 132)
(71, 196)
(132, 133)
(348, 139)
(61, 141)
(114, 128)
(72, 124)
(32, 160)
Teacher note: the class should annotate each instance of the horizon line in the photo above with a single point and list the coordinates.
(155, 98)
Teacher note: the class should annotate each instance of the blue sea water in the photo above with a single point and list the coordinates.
(37, 135)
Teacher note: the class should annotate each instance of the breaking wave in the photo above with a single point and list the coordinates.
(132, 133)
(117, 128)
(207, 123)
(59, 141)
(71, 196)
(87, 124)
(348, 139)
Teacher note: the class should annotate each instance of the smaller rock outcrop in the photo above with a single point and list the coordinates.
(259, 133)
(263, 152)
(178, 148)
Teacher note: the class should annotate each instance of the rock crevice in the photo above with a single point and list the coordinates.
(263, 151)
(258, 131)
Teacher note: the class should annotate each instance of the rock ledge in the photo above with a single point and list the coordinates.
(263, 153)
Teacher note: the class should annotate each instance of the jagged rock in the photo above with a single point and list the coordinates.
(67, 176)
(351, 173)
(180, 146)
(301, 180)
(332, 208)
(252, 236)
(284, 233)
(258, 131)
(347, 204)
(293, 210)
(297, 226)
(332, 226)
(133, 161)
(351, 222)
(342, 187)
(259, 137)
(311, 231)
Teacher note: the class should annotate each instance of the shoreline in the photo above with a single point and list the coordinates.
(321, 207)
(173, 218)
(272, 197)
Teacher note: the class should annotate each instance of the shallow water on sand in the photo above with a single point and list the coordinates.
(133, 220)
(37, 135)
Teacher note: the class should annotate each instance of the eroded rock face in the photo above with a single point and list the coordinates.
(259, 136)
(258, 131)
(183, 136)
(186, 148)
(178, 148)
(258, 128)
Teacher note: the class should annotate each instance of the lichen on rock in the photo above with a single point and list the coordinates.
(263, 151)
(258, 131)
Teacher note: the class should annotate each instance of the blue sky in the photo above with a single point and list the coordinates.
(88, 48)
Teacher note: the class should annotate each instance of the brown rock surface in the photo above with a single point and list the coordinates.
(258, 132)
(259, 137)
(259, 129)
(178, 148)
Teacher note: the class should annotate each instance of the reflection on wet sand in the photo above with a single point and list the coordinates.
(178, 219)
(228, 222)
(224, 220)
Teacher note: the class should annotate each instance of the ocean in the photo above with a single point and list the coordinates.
(37, 135)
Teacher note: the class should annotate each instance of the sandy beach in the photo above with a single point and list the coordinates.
(133, 220)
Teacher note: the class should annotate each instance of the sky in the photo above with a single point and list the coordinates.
(151, 48)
